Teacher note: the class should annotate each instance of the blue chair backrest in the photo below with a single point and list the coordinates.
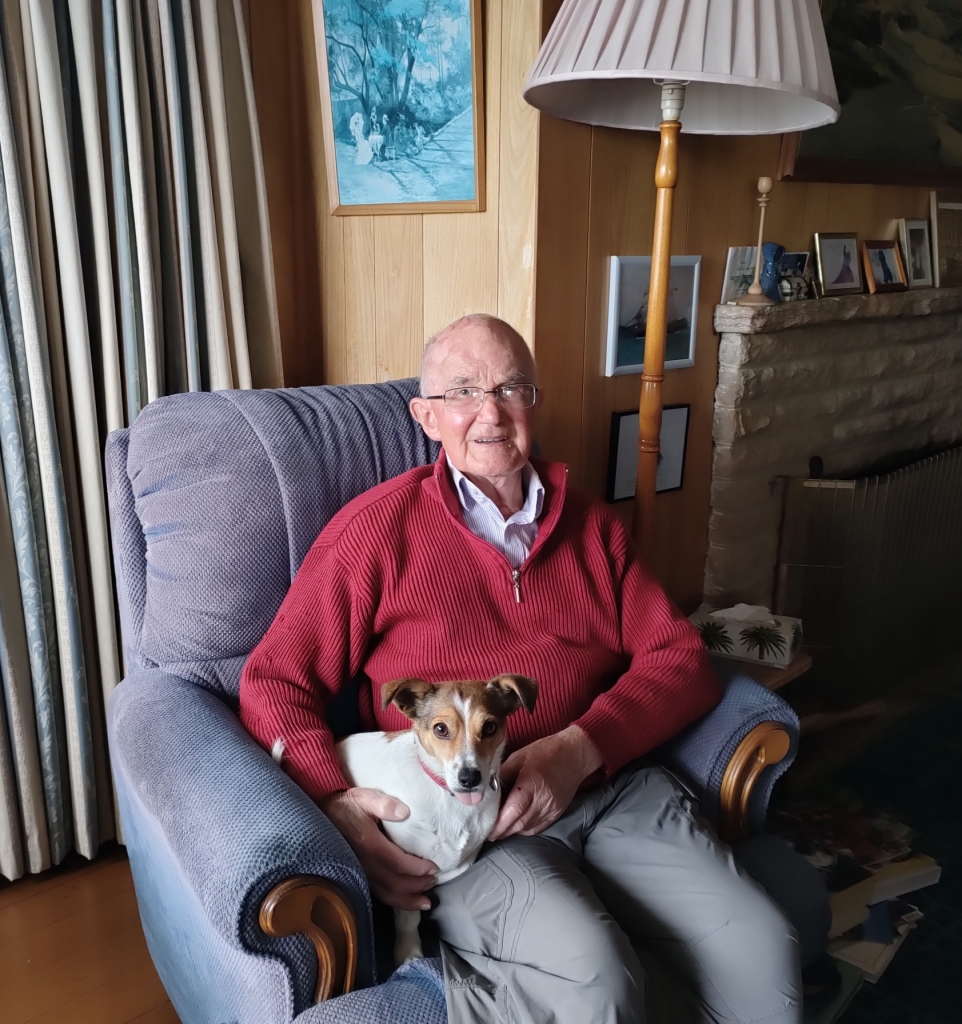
(216, 498)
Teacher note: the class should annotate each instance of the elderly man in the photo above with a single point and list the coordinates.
(602, 896)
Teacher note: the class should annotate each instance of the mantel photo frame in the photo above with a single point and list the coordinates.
(883, 266)
(838, 263)
(402, 105)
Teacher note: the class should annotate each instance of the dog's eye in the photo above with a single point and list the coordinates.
(440, 729)
(489, 728)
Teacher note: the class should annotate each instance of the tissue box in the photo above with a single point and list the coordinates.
(750, 640)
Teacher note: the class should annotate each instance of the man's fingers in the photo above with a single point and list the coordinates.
(380, 805)
(405, 892)
(399, 900)
(394, 859)
(511, 769)
(527, 824)
(518, 802)
(407, 864)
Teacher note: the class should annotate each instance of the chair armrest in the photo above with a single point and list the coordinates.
(733, 756)
(236, 824)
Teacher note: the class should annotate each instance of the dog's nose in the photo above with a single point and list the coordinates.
(469, 778)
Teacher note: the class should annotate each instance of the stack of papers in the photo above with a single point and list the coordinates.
(868, 860)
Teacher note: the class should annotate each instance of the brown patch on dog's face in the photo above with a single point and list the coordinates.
(460, 725)
(459, 718)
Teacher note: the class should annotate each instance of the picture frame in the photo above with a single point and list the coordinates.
(623, 452)
(794, 275)
(946, 220)
(916, 252)
(896, 116)
(739, 272)
(793, 264)
(402, 117)
(884, 269)
(838, 264)
(628, 307)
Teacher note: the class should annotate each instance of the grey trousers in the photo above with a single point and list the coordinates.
(626, 910)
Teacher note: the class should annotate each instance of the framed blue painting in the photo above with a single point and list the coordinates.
(402, 105)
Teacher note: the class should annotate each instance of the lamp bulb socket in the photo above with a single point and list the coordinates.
(672, 100)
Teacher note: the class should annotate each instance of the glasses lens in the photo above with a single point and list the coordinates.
(464, 398)
(517, 396)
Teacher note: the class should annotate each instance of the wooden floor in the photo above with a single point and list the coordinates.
(72, 950)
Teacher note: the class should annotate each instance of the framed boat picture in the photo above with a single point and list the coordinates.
(402, 105)
(628, 313)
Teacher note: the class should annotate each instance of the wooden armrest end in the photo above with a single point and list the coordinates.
(766, 744)
(317, 908)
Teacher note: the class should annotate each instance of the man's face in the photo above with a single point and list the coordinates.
(490, 442)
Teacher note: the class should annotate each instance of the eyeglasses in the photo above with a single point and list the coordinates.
(510, 396)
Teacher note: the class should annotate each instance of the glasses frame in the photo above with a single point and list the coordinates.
(491, 391)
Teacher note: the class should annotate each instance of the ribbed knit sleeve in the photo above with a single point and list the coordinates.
(669, 682)
(316, 643)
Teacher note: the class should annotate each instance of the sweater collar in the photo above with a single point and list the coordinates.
(554, 479)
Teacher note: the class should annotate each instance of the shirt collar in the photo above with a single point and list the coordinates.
(469, 495)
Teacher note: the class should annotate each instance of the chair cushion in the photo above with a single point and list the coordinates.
(230, 490)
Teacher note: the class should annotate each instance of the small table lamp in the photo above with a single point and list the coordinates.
(737, 67)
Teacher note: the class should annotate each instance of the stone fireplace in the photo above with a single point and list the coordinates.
(855, 380)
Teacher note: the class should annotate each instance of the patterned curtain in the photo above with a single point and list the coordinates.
(135, 261)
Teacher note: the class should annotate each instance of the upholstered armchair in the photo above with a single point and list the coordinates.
(254, 907)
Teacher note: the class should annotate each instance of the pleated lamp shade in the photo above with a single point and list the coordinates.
(753, 66)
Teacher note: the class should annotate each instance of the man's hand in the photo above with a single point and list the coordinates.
(545, 775)
(396, 878)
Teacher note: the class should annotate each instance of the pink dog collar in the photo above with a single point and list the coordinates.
(432, 776)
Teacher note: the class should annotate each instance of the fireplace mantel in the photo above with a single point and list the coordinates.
(732, 319)
(854, 379)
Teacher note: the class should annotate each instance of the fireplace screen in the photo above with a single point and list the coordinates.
(873, 567)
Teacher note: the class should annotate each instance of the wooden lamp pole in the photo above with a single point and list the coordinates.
(656, 329)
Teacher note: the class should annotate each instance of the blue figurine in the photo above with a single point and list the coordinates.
(772, 252)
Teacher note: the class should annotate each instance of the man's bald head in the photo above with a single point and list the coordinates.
(460, 334)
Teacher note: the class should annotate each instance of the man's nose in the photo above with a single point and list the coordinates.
(491, 408)
(469, 778)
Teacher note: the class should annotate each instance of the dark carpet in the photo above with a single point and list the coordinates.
(915, 772)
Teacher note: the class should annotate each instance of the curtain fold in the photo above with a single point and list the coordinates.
(135, 262)
(25, 833)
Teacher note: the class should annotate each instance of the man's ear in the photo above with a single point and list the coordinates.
(423, 411)
(516, 692)
(407, 695)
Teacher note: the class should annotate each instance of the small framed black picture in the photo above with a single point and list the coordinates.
(623, 452)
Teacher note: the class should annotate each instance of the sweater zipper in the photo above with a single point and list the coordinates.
(516, 577)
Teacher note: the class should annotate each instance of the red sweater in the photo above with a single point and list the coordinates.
(397, 586)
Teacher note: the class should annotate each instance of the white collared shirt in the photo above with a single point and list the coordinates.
(513, 536)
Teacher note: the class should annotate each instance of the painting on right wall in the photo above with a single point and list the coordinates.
(898, 69)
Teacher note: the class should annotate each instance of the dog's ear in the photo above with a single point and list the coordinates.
(516, 692)
(407, 694)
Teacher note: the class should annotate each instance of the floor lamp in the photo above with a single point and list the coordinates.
(736, 67)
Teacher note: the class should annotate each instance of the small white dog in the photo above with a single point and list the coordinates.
(445, 769)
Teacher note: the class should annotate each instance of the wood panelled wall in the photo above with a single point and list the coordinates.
(596, 199)
(389, 282)
(359, 295)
